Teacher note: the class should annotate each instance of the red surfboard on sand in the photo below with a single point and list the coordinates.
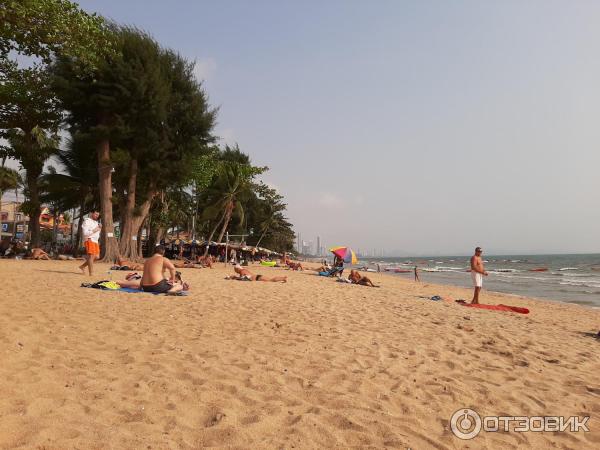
(508, 308)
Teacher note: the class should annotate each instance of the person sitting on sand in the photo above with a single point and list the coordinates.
(245, 275)
(324, 268)
(357, 278)
(38, 253)
(153, 279)
(206, 261)
(294, 265)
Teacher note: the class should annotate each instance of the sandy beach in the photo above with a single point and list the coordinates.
(307, 364)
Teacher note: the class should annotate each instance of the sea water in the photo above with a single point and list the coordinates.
(569, 278)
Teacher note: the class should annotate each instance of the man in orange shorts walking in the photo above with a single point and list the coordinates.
(91, 234)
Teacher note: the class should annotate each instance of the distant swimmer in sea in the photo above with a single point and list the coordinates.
(246, 275)
(357, 278)
(417, 274)
(477, 274)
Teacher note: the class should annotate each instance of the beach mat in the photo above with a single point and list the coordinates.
(137, 291)
(508, 308)
(134, 290)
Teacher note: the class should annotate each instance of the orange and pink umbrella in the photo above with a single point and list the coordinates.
(345, 253)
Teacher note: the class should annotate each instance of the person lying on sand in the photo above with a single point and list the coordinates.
(153, 279)
(200, 263)
(38, 253)
(245, 275)
(124, 264)
(185, 264)
(357, 278)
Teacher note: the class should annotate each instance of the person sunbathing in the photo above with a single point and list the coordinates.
(38, 253)
(357, 278)
(245, 275)
(123, 264)
(183, 264)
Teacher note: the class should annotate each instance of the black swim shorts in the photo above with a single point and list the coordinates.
(162, 287)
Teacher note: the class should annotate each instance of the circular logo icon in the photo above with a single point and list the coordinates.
(465, 424)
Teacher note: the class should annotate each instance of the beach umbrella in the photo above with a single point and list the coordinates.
(346, 253)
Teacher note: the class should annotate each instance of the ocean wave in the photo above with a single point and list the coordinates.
(578, 283)
(568, 268)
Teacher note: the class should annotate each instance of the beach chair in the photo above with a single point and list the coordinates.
(334, 272)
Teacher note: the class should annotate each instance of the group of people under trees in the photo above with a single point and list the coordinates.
(155, 267)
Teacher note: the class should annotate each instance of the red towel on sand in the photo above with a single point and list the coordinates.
(498, 308)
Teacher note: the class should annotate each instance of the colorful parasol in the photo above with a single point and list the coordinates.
(346, 253)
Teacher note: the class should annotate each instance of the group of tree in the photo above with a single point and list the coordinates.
(137, 133)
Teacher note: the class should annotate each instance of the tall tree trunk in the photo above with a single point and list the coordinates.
(139, 239)
(136, 226)
(78, 242)
(261, 237)
(110, 247)
(157, 234)
(212, 233)
(228, 213)
(127, 246)
(34, 200)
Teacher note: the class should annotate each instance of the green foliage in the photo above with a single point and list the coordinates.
(77, 186)
(27, 101)
(9, 179)
(31, 148)
(43, 28)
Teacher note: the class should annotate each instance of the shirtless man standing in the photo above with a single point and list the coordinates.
(153, 279)
(477, 273)
(245, 274)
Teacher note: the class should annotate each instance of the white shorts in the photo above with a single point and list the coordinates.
(477, 279)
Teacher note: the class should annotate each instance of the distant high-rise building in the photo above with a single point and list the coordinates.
(318, 253)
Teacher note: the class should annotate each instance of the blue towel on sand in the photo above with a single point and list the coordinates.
(137, 291)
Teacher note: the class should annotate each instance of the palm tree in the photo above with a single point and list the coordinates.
(78, 186)
(32, 149)
(231, 187)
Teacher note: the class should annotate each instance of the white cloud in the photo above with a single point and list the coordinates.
(205, 68)
(330, 200)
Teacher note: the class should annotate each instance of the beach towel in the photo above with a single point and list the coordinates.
(508, 308)
(344, 280)
(106, 285)
(138, 291)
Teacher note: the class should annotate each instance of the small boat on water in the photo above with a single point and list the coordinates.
(539, 269)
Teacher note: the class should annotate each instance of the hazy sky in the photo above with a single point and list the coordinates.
(425, 127)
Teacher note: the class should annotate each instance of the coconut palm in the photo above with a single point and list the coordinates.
(77, 187)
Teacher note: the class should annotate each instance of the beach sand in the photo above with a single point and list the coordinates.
(308, 364)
